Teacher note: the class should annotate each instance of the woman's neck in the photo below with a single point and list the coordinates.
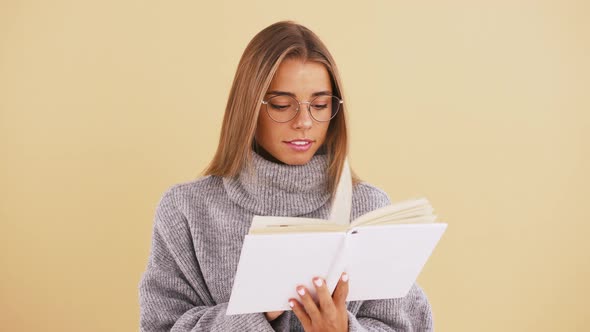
(265, 154)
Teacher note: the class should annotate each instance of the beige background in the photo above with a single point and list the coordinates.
(482, 107)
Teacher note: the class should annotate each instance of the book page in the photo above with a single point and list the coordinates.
(271, 267)
(270, 225)
(342, 200)
(385, 260)
(388, 220)
(397, 211)
(282, 229)
(262, 222)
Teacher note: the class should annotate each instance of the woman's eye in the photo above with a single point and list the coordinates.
(279, 107)
(320, 107)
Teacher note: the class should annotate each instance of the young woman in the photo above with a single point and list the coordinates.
(282, 148)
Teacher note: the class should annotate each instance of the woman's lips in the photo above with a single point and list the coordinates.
(300, 145)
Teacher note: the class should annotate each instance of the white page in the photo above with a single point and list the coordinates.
(271, 267)
(420, 205)
(384, 261)
(265, 221)
(342, 200)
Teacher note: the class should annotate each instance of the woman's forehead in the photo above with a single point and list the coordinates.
(297, 70)
(298, 79)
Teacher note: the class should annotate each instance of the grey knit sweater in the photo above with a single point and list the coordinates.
(198, 230)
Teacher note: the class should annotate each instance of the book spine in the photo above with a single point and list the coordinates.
(339, 264)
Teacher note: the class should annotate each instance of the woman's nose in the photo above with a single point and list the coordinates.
(303, 120)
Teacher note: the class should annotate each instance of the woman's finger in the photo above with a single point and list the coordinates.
(327, 306)
(341, 291)
(308, 303)
(299, 311)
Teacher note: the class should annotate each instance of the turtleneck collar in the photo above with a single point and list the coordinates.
(269, 188)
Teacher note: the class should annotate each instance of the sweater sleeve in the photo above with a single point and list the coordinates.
(410, 313)
(173, 295)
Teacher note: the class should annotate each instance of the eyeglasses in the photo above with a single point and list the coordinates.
(283, 108)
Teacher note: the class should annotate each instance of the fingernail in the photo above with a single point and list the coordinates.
(345, 277)
(291, 303)
(301, 291)
(318, 282)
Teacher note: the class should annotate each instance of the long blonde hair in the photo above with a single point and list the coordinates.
(256, 69)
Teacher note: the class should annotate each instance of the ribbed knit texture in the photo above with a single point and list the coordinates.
(198, 231)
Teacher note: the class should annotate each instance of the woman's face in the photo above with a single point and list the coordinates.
(285, 141)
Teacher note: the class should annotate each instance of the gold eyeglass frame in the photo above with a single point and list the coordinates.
(340, 102)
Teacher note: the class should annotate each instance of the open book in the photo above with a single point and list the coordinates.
(383, 252)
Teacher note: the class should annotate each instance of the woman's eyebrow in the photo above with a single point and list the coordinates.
(277, 92)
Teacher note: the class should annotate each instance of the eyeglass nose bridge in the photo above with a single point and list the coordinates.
(265, 102)
(304, 102)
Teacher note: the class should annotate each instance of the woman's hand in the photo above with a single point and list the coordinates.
(272, 315)
(331, 315)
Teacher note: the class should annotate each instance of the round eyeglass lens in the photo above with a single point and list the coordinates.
(324, 108)
(284, 108)
(281, 108)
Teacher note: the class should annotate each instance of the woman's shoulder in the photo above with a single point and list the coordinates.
(366, 191)
(367, 197)
(191, 191)
(201, 184)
